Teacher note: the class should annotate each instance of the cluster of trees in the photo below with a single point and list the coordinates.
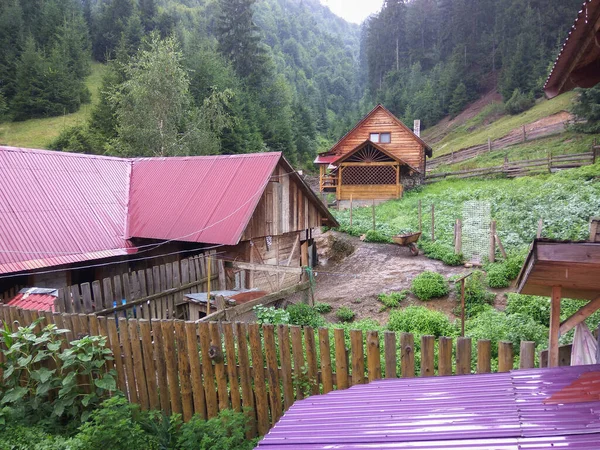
(184, 76)
(428, 58)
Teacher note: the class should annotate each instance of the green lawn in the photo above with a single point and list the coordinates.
(38, 133)
(476, 131)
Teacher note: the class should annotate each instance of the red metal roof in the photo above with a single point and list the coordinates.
(326, 159)
(58, 208)
(505, 411)
(207, 199)
(38, 299)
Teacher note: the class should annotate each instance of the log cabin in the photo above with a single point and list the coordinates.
(377, 159)
(69, 218)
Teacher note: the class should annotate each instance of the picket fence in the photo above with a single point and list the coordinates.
(205, 367)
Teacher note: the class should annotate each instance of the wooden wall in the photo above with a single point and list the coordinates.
(403, 144)
(368, 191)
(283, 208)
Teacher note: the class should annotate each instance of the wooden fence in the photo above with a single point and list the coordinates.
(524, 167)
(203, 368)
(497, 144)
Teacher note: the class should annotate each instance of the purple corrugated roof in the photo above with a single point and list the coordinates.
(207, 199)
(516, 410)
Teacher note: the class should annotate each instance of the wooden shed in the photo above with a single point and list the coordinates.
(377, 159)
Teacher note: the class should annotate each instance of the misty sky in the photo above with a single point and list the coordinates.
(353, 10)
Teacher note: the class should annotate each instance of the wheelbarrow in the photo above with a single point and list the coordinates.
(408, 240)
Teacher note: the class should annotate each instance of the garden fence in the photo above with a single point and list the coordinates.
(205, 367)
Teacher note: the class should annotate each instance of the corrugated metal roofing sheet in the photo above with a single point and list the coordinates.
(38, 299)
(499, 411)
(207, 199)
(58, 208)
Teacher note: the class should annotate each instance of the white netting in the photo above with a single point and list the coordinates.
(476, 221)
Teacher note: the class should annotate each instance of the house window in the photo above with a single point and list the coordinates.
(380, 138)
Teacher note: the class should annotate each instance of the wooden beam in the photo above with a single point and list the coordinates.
(554, 327)
(232, 313)
(585, 312)
(267, 268)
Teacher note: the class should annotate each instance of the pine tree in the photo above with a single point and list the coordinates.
(29, 100)
(459, 100)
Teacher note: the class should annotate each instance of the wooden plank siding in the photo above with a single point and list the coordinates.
(402, 144)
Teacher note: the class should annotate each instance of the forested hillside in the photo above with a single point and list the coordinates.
(425, 59)
(185, 76)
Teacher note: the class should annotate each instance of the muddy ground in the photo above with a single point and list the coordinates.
(355, 280)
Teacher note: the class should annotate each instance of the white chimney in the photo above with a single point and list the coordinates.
(417, 128)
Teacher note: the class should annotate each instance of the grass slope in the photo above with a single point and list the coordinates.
(565, 200)
(477, 130)
(39, 133)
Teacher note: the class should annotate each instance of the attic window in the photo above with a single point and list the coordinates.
(380, 138)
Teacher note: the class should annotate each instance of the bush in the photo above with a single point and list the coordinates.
(393, 299)
(500, 274)
(227, 431)
(345, 314)
(477, 297)
(376, 236)
(272, 315)
(497, 277)
(442, 252)
(518, 102)
(420, 320)
(304, 315)
(323, 308)
(428, 285)
(19, 437)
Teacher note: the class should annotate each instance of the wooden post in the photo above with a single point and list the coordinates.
(484, 356)
(462, 307)
(492, 256)
(390, 354)
(373, 214)
(549, 161)
(350, 209)
(427, 355)
(540, 227)
(598, 341)
(420, 218)
(505, 356)
(220, 302)
(432, 222)
(500, 246)
(527, 355)
(407, 359)
(554, 326)
(524, 134)
(208, 267)
(445, 356)
(489, 145)
(458, 237)
(463, 356)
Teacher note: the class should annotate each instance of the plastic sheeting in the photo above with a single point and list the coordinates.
(585, 346)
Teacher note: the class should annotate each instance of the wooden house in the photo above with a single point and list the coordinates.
(68, 218)
(377, 159)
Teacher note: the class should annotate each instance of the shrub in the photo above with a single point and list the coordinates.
(19, 437)
(304, 315)
(440, 251)
(376, 236)
(345, 314)
(518, 102)
(428, 285)
(323, 308)
(501, 273)
(227, 431)
(272, 315)
(393, 299)
(497, 277)
(453, 259)
(477, 297)
(421, 320)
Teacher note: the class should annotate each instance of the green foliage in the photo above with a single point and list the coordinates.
(376, 236)
(518, 102)
(305, 315)
(421, 321)
(227, 431)
(477, 297)
(42, 378)
(272, 315)
(323, 308)
(428, 285)
(440, 251)
(393, 299)
(587, 109)
(500, 274)
(20, 437)
(345, 314)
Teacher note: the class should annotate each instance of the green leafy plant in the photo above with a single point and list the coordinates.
(421, 320)
(323, 308)
(227, 431)
(305, 315)
(345, 314)
(393, 299)
(376, 236)
(477, 297)
(428, 285)
(271, 315)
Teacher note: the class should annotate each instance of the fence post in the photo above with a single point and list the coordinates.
(492, 255)
(432, 222)
(505, 356)
(358, 358)
(341, 359)
(527, 355)
(524, 134)
(407, 345)
(373, 214)
(549, 161)
(458, 236)
(463, 356)
(420, 218)
(350, 209)
(427, 355)
(445, 356)
(390, 354)
(373, 356)
(540, 227)
(489, 145)
(484, 356)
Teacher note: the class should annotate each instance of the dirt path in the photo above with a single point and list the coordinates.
(356, 280)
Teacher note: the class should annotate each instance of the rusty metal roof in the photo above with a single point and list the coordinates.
(58, 208)
(207, 199)
(523, 409)
(38, 299)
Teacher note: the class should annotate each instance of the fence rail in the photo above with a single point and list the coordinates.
(524, 167)
(205, 367)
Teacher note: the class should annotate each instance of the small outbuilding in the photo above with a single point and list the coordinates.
(377, 159)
